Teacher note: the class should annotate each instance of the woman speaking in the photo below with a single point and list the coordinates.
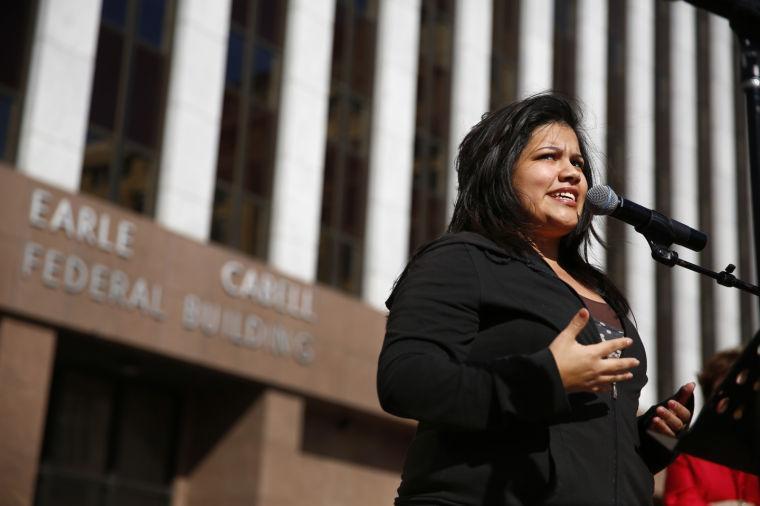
(516, 356)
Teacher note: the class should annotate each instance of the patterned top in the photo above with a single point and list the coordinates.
(607, 326)
(607, 332)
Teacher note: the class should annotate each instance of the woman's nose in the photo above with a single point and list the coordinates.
(571, 173)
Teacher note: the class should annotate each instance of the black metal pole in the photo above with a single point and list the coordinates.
(744, 16)
(748, 31)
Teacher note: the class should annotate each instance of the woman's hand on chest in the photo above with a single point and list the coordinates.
(587, 368)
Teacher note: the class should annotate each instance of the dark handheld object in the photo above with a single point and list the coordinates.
(653, 225)
(728, 428)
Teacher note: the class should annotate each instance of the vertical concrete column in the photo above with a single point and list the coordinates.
(57, 102)
(27, 353)
(640, 182)
(470, 79)
(683, 95)
(392, 148)
(725, 239)
(281, 431)
(300, 151)
(193, 117)
(534, 72)
(591, 86)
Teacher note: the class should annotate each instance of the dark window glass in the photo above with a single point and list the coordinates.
(6, 107)
(227, 140)
(430, 169)
(330, 199)
(151, 22)
(79, 436)
(98, 160)
(270, 21)
(115, 12)
(144, 444)
(134, 189)
(249, 125)
(565, 13)
(126, 108)
(240, 13)
(266, 72)
(348, 131)
(144, 115)
(109, 442)
(504, 47)
(16, 30)
(221, 221)
(258, 177)
(235, 59)
(253, 212)
(106, 81)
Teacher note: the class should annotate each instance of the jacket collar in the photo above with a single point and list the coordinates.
(530, 258)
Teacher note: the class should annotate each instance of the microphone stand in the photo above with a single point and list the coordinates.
(667, 256)
(727, 430)
(660, 239)
(744, 18)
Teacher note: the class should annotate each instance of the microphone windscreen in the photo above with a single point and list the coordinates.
(602, 199)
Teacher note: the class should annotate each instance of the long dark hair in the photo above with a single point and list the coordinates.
(487, 202)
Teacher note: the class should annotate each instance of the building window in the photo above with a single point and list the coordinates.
(16, 29)
(565, 13)
(504, 45)
(127, 105)
(347, 151)
(431, 160)
(108, 440)
(242, 199)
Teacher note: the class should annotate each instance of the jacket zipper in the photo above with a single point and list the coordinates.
(615, 452)
(613, 403)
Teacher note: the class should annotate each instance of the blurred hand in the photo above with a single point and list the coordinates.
(586, 368)
(675, 417)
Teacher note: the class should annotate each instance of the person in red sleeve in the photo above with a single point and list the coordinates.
(691, 481)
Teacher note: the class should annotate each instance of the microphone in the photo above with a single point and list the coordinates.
(653, 225)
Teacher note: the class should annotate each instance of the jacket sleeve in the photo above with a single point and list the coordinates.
(423, 371)
(656, 456)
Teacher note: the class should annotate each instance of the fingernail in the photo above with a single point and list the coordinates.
(672, 404)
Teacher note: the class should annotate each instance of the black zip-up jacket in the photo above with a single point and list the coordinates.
(466, 354)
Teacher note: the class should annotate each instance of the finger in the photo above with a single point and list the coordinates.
(607, 347)
(670, 418)
(681, 411)
(658, 425)
(617, 366)
(615, 378)
(576, 325)
(684, 393)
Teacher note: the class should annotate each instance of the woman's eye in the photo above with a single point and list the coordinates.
(579, 163)
(548, 156)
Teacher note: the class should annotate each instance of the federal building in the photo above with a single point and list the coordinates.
(204, 204)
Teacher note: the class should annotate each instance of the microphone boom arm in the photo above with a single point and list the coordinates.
(666, 256)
